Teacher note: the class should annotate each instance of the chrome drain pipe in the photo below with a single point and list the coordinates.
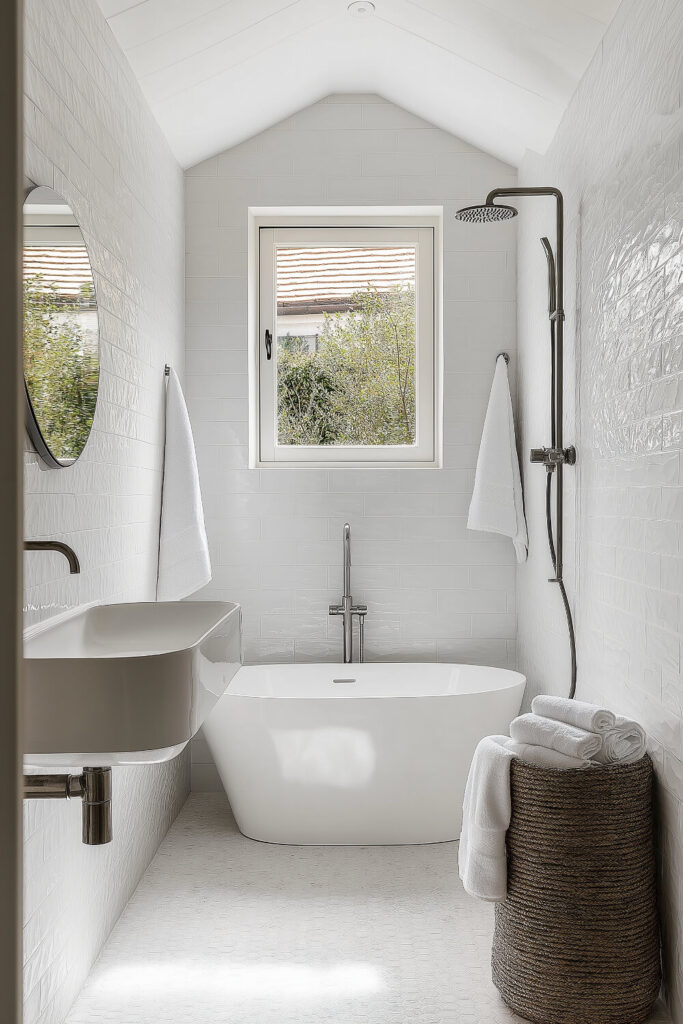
(92, 787)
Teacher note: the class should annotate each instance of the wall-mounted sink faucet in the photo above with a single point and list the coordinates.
(347, 609)
(56, 545)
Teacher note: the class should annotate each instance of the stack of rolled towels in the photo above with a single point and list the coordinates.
(559, 733)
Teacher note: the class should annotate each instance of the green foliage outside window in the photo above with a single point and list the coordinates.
(60, 366)
(293, 343)
(358, 388)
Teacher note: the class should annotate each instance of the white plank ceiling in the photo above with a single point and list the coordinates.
(497, 73)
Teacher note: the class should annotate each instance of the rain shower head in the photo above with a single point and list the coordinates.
(489, 213)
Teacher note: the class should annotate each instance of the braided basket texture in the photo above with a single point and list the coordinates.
(577, 939)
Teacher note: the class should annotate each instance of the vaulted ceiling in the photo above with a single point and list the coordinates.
(497, 73)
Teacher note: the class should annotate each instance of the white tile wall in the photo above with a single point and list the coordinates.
(617, 157)
(90, 136)
(434, 591)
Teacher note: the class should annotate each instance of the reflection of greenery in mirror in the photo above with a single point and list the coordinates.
(61, 364)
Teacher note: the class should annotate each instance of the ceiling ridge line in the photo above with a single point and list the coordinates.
(216, 42)
(137, 3)
(471, 63)
(239, 63)
(498, 15)
(176, 28)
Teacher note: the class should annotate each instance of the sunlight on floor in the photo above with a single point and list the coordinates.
(280, 982)
(224, 930)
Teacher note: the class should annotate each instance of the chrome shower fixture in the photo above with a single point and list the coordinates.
(555, 457)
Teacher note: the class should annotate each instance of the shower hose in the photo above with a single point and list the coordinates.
(549, 522)
(563, 589)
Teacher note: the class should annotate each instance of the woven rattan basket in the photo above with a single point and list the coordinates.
(577, 939)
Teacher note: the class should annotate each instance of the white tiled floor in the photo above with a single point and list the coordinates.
(223, 930)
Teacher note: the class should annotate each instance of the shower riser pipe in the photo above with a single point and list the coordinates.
(555, 457)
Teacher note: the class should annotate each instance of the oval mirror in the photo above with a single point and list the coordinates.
(61, 335)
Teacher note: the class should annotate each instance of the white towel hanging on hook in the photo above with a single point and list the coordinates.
(497, 504)
(184, 564)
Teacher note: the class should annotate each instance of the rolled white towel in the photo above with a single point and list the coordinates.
(623, 744)
(574, 712)
(482, 859)
(544, 757)
(545, 732)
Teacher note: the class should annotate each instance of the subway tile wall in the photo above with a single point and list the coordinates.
(90, 135)
(618, 158)
(435, 591)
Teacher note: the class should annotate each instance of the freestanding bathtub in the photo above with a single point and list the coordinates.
(355, 755)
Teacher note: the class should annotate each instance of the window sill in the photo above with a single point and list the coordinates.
(330, 464)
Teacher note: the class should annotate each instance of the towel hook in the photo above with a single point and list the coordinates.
(505, 356)
(167, 370)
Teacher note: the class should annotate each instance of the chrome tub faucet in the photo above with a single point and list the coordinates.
(347, 609)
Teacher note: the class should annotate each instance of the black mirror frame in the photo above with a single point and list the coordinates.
(33, 430)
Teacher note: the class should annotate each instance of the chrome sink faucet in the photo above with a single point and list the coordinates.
(347, 609)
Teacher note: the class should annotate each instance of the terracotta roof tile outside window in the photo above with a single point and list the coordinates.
(324, 279)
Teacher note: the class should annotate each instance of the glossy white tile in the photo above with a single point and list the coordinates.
(624, 399)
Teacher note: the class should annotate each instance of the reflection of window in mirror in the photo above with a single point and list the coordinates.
(61, 363)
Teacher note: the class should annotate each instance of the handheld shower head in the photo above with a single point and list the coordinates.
(552, 275)
(489, 213)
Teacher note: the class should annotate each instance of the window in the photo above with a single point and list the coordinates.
(345, 354)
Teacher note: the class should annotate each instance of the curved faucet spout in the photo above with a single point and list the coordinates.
(55, 545)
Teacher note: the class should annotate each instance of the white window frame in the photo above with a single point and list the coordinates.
(395, 227)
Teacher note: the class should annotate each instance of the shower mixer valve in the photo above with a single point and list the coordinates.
(551, 457)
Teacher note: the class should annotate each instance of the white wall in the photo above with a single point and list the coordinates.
(617, 157)
(90, 136)
(434, 590)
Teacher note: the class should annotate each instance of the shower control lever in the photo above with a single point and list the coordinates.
(551, 457)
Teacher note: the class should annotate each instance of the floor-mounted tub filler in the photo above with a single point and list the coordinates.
(355, 755)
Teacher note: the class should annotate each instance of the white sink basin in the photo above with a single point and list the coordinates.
(125, 683)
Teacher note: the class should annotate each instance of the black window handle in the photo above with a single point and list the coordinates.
(269, 345)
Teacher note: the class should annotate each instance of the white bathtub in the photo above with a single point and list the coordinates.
(355, 755)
